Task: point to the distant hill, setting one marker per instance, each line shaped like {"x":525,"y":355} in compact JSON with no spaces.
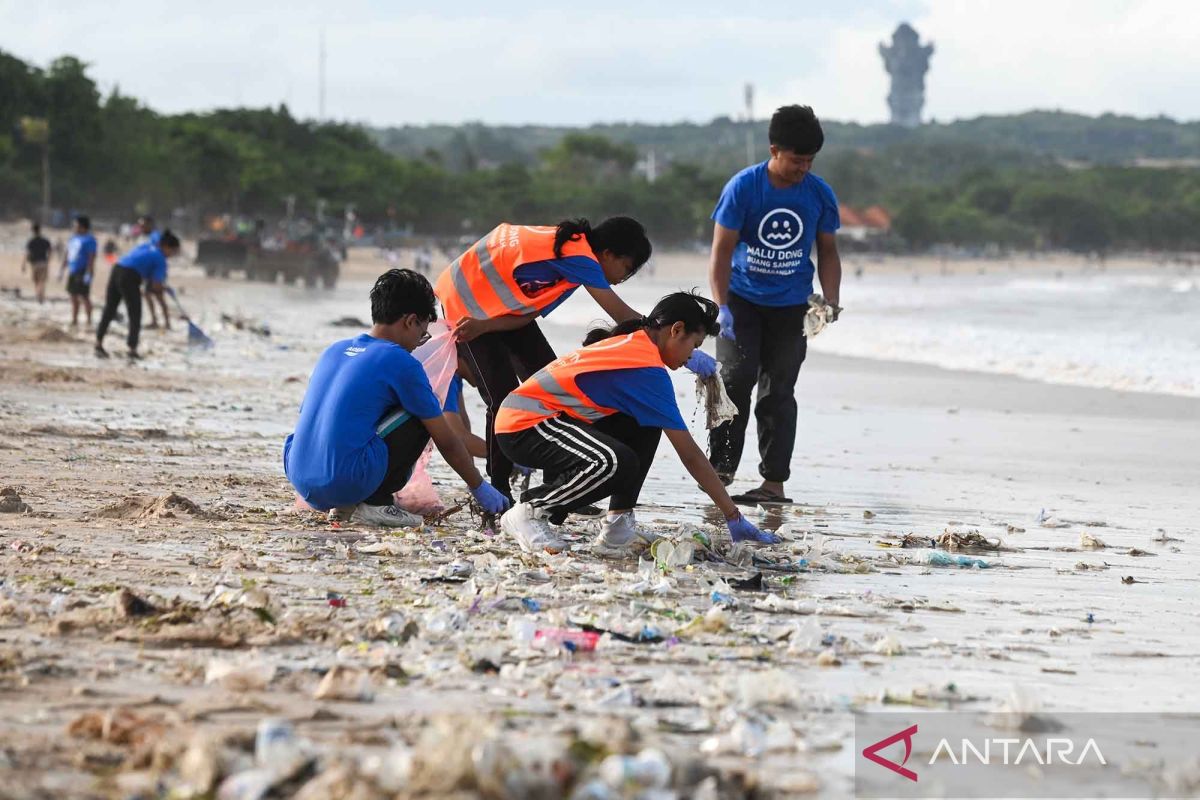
{"x":1108,"y":139}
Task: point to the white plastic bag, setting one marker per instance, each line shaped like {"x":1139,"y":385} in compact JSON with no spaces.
{"x":439,"y":357}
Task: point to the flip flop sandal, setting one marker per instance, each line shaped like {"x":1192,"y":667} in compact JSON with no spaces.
{"x":761,"y":496}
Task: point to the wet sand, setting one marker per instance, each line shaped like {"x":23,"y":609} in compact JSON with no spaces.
{"x":237,"y":574}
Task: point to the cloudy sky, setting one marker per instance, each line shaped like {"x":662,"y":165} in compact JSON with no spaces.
{"x":622,"y":60}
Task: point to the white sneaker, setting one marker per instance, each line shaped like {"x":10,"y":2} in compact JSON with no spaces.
{"x":387,"y":516}
{"x":531,"y":530}
{"x":621,"y":537}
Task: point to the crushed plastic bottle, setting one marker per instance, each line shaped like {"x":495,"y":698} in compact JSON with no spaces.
{"x":649,"y":769}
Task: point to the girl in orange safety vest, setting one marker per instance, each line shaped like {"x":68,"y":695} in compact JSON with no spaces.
{"x":495,"y":291}
{"x":591,"y":421}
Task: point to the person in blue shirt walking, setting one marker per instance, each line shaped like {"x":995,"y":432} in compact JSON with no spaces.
{"x":79,"y":266}
{"x":769,"y":220}
{"x":146,"y":262}
{"x":369,"y":411}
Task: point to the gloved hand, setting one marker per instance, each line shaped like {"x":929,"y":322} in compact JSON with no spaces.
{"x":490,"y":499}
{"x":743,"y":530}
{"x":725,"y":320}
{"x":701,"y":363}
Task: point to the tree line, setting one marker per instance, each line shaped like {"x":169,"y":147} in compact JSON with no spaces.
{"x":113,"y":157}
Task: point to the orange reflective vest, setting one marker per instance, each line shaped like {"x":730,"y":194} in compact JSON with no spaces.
{"x":553,"y":391}
{"x":480,"y":283}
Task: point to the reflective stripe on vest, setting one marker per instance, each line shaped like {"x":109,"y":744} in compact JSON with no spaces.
{"x":481,"y":282}
{"x":553,"y":390}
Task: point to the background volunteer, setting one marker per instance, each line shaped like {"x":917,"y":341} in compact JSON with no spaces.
{"x":768,"y":221}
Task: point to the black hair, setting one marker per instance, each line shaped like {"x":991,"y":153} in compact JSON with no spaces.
{"x":168,"y":239}
{"x":401,"y":291}
{"x":84,"y":222}
{"x":695,"y":312}
{"x":796,"y":128}
{"x":37,"y":229}
{"x":621,"y":236}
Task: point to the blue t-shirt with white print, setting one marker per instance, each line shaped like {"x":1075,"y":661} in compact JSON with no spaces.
{"x":772,"y":263}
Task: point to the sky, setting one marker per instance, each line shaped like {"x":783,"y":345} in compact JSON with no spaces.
{"x":395,"y":63}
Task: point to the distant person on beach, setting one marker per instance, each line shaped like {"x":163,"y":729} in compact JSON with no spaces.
{"x":149,"y":234}
{"x":494,"y":293}
{"x":369,"y":411}
{"x":110,"y":251}
{"x":766,"y":224}
{"x":145,"y":263}
{"x":593,"y":418}
{"x":37,"y":256}
{"x":79,"y":266}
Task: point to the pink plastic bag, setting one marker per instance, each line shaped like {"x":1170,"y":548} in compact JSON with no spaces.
{"x":418,"y":495}
{"x":439,"y":357}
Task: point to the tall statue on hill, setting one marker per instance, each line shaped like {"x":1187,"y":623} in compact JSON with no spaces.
{"x":907,"y":61}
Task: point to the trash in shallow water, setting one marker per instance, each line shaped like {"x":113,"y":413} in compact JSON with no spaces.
{"x":1089,"y":542}
{"x":938,"y":558}
{"x":971,"y":540}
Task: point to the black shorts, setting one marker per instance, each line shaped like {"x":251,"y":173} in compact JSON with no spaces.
{"x":77,"y":284}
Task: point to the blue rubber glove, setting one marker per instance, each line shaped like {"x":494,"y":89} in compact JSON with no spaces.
{"x":725,"y":320}
{"x":701,"y":363}
{"x":743,"y":530}
{"x":490,"y":499}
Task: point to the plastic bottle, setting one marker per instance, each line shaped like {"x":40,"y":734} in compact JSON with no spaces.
{"x":649,"y":769}
{"x":572,"y":640}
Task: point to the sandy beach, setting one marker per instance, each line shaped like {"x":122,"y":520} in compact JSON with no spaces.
{"x":161,"y":595}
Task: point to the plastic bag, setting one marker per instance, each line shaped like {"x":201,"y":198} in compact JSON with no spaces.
{"x":439,"y":357}
{"x":718,"y":408}
{"x":819,"y":314}
{"x":418,"y":495}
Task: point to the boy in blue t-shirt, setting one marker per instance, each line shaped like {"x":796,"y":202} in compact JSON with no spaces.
{"x":369,"y":411}
{"x":769,"y":220}
{"x":146,"y":263}
{"x":79,"y":266}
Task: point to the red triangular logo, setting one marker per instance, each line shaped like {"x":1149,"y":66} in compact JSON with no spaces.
{"x":872,"y":753}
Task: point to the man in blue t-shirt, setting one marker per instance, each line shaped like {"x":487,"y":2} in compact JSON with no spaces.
{"x":369,"y":411}
{"x":768,"y":222}
{"x":79,"y":267}
{"x":145,"y":263}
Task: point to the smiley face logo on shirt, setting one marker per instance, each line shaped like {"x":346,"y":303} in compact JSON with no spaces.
{"x":780,"y":229}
